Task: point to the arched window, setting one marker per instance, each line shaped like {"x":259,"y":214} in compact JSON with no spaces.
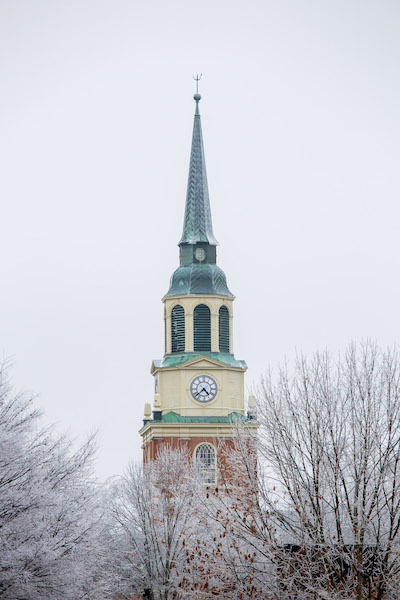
{"x":178,"y":329}
{"x":202,"y":328}
{"x":223,"y":329}
{"x":205,"y":462}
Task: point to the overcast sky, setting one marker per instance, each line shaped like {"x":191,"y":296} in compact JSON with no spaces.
{"x":300,"y":115}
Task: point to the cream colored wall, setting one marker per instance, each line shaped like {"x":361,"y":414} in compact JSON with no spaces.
{"x":174,"y":390}
{"x":174,"y":383}
{"x":189,"y":303}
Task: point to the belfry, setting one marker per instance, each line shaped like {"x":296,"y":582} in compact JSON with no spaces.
{"x":199,"y":384}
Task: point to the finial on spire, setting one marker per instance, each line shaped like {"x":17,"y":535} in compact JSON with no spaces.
{"x":197,"y":96}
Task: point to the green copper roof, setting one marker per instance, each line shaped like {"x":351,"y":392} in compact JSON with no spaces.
{"x":197,"y":226}
{"x":175,"y":360}
{"x":233,"y":417}
{"x":198,"y":279}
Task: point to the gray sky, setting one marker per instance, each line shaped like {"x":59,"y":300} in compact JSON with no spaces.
{"x":300,"y":115}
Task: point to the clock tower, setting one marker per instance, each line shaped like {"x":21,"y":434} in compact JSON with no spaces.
{"x":199,"y":384}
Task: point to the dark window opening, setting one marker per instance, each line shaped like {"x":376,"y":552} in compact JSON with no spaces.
{"x":202,"y":328}
{"x":178,"y":329}
{"x":223,"y":329}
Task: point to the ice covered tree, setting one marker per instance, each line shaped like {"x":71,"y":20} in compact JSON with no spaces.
{"x":156,"y":518}
{"x":236,"y":556}
{"x":50,"y":513}
{"x":327,"y":478}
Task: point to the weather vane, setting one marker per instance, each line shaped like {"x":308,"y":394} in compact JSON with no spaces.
{"x":197,"y":79}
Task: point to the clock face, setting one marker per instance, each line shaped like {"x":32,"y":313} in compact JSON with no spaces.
{"x":204,"y":388}
{"x":200,"y":254}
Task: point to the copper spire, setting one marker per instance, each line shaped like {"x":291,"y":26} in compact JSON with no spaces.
{"x":197,"y":226}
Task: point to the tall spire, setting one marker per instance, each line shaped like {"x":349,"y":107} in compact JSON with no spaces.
{"x":198,"y":272}
{"x":197,"y":225}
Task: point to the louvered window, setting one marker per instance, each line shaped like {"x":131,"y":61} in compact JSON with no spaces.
{"x":223,"y":329}
{"x":202,"y":328}
{"x":205,"y":462}
{"x":178,"y":329}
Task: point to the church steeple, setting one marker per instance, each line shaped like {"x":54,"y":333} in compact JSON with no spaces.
{"x":198,"y":384}
{"x":198,"y":272}
{"x":197,"y":225}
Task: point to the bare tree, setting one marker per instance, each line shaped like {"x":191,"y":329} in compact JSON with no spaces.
{"x":50,"y":516}
{"x":241,"y":542}
{"x":156,"y":515}
{"x":327,"y":479}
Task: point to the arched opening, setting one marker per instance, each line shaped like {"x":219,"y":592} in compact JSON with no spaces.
{"x":223,"y":329}
{"x":178,"y":329}
{"x":205,"y":462}
{"x":202,"y":328}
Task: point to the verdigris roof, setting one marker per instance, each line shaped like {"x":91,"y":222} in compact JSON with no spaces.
{"x":198,"y":279}
{"x":175,"y":359}
{"x":197,"y":225}
{"x":234,"y":417}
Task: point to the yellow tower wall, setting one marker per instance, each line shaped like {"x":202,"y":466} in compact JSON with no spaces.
{"x":174,"y":389}
{"x":189,"y":303}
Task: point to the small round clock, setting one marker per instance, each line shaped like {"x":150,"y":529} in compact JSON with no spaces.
{"x":204,"y":388}
{"x":200,"y":254}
